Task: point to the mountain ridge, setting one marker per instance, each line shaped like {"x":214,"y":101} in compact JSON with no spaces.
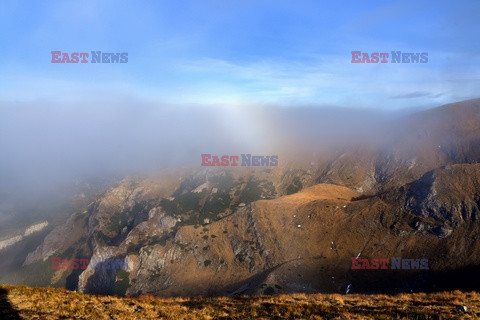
{"x":293,"y":228}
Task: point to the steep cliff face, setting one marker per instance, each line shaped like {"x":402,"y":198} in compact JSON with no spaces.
{"x":294,"y":227}
{"x":450,"y":195}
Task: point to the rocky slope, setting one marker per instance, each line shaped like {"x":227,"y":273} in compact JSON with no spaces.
{"x":28,"y":231}
{"x":293,"y":228}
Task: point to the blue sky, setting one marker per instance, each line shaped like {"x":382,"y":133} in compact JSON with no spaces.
{"x":241,"y":52}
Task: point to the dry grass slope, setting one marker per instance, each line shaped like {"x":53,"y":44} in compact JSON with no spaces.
{"x":50,"y":303}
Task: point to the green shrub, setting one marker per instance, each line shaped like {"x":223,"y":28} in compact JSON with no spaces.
{"x":122,"y":283}
{"x":295,"y":186}
{"x":269,"y":290}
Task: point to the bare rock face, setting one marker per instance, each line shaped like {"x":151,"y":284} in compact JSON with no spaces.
{"x":11,"y":241}
{"x":99,"y":280}
{"x":35,"y":228}
{"x":58,"y":239}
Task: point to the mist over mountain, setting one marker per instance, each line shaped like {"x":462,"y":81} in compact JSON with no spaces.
{"x":53,"y":150}
{"x":349,"y":182}
{"x":244,"y":160}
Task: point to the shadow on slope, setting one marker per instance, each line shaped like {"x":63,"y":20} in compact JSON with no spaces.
{"x":7,"y":311}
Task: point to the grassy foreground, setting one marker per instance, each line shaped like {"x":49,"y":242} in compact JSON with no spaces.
{"x":19,"y":302}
